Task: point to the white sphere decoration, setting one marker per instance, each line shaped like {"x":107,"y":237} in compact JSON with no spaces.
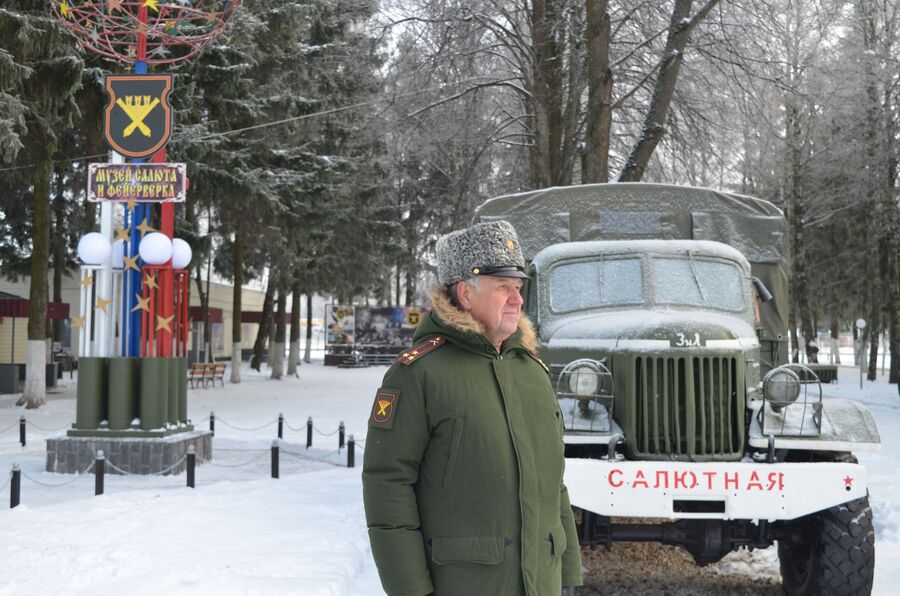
{"x":118,"y":254}
{"x":93,"y":249}
{"x":155,"y":249}
{"x":181,"y":253}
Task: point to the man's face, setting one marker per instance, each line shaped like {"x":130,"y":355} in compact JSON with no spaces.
{"x":496,"y":304}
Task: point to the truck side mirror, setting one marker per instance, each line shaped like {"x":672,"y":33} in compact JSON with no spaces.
{"x":761,"y":290}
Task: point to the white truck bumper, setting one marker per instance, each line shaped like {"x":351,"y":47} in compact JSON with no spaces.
{"x":681,"y":490}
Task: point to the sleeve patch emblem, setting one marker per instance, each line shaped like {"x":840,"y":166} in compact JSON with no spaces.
{"x":384,"y":408}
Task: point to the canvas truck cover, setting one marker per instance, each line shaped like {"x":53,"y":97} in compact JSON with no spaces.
{"x":636,"y":211}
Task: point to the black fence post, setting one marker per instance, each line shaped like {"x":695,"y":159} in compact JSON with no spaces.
{"x":309,"y":427}
{"x":22,"y":430}
{"x":212,"y":423}
{"x":15,"y":486}
{"x":275,"y":458}
{"x":351,"y":456}
{"x":341,"y":435}
{"x":280,"y":426}
{"x":99,"y":471}
{"x":191,"y":463}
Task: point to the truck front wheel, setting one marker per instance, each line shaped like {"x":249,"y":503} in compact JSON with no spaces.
{"x":830,"y":553}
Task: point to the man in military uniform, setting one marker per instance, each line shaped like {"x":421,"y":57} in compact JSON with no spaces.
{"x":462,"y":479}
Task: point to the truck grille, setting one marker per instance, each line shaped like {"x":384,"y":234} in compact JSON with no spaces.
{"x":688,"y":407}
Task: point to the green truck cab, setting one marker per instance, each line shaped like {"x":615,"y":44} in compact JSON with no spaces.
{"x":662,"y":316}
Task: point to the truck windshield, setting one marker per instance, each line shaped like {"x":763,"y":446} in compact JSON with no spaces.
{"x":589,"y":284}
{"x":697,"y":282}
{"x":678,"y":280}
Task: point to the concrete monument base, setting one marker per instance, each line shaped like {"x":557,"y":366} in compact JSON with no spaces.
{"x":72,"y":455}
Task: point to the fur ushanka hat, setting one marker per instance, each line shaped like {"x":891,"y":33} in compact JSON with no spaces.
{"x":490,"y":248}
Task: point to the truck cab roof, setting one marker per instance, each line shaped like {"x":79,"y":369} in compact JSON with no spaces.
{"x":573,"y":250}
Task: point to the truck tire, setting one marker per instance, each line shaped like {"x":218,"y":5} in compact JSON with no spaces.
{"x":834,"y":555}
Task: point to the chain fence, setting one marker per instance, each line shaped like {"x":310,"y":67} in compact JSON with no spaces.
{"x":98,"y":467}
{"x":306,"y":456}
{"x":162,"y":472}
{"x":255,"y":459}
{"x":78,"y":476}
{"x":45,"y":429}
{"x":246,"y":428}
{"x":5,"y":484}
{"x":288,"y":424}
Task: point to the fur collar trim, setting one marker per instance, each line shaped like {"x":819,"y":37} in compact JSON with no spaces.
{"x":463,"y":321}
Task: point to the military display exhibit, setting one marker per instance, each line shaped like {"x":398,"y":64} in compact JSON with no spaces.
{"x":662,"y":314}
{"x":132,"y":382}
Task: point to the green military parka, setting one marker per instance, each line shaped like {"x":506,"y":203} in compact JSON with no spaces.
{"x":462,"y":479}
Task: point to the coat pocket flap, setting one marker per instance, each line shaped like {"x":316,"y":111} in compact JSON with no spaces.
{"x":558,"y":540}
{"x":486,"y":550}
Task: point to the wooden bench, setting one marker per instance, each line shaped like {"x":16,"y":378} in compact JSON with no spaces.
{"x":202,"y":372}
{"x":196,"y":373}
{"x":216,"y":372}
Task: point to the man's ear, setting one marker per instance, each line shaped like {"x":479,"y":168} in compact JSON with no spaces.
{"x":463,"y":295}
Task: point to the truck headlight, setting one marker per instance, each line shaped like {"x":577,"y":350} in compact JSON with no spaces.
{"x":584,"y":381}
{"x":585,"y":392}
{"x":781,"y":387}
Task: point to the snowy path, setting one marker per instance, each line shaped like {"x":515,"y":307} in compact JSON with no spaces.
{"x":238,"y":532}
{"x":242,"y":532}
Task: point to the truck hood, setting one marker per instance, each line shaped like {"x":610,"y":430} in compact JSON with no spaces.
{"x":649,"y":329}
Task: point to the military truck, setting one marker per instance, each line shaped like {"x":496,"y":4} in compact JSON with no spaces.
{"x":662,"y":316}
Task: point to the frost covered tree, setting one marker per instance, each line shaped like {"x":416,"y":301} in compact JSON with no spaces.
{"x":39,"y":75}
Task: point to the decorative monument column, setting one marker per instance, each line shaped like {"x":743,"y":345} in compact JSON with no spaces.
{"x":133,"y":322}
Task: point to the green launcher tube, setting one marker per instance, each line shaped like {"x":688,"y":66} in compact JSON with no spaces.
{"x":154,"y":402}
{"x":122,"y":392}
{"x":91,"y":393}
{"x":173,"y":372}
{"x":182,"y":390}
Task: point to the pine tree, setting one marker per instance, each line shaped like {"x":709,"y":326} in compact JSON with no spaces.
{"x":40,"y":75}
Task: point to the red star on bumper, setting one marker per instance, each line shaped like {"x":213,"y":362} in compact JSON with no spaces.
{"x":848,"y":481}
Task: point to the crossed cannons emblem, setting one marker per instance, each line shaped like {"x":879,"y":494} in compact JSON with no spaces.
{"x":137,"y":108}
{"x":138,"y":115}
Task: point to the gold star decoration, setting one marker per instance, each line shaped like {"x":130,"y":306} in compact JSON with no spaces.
{"x":164,"y":323}
{"x":142,"y":304}
{"x":170,"y":25}
{"x":145,"y":227}
{"x":151,"y":4}
{"x":87,"y":281}
{"x":211,"y":18}
{"x":77,"y":322}
{"x":150,"y":280}
{"x":113,"y":5}
{"x":64,"y":9}
{"x":131,"y":204}
{"x":122,"y":234}
{"x":102,"y":303}
{"x":131,"y":263}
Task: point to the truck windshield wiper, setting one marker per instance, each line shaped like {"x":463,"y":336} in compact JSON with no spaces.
{"x":696,"y":277}
{"x":600,"y":277}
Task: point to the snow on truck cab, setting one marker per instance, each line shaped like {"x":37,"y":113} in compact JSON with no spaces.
{"x":662,"y":315}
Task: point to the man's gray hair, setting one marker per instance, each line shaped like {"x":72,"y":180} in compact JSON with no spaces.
{"x":451,"y":290}
{"x":474,"y":281}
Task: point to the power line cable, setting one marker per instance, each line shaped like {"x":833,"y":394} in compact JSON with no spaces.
{"x":262,"y":125}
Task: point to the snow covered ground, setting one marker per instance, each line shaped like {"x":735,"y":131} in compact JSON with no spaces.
{"x":242,"y":532}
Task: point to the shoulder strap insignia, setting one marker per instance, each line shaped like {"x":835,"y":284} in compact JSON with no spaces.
{"x":416,"y":352}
